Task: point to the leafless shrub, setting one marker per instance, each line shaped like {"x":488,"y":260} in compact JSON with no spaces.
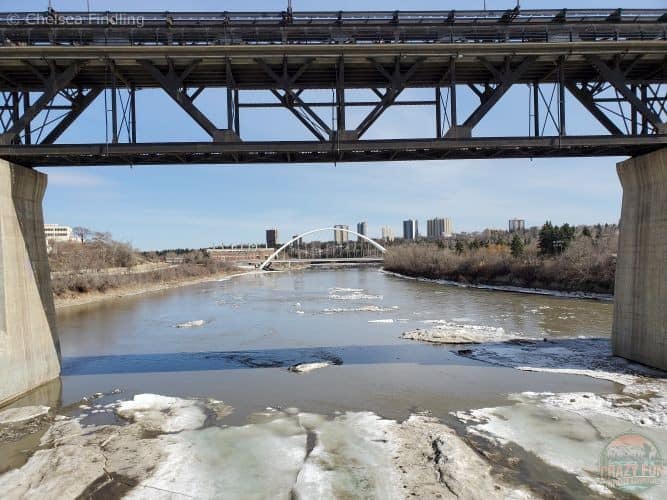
{"x":587,"y":265}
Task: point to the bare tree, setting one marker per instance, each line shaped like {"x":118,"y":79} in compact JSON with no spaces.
{"x":82,"y":233}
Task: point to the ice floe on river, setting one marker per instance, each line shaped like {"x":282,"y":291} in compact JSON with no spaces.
{"x":191,"y":324}
{"x":372,"y":308}
{"x":277,"y":454}
{"x":351,"y":294}
{"x":309,"y":367}
{"x":451,"y":332}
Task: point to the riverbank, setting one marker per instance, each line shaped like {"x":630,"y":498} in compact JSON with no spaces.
{"x":130,"y":289}
{"x":604,"y":297}
{"x":584,"y":269}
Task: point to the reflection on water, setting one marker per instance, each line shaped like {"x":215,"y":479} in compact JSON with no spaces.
{"x":247,"y":331}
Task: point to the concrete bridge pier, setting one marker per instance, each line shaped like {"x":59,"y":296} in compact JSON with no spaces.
{"x":29,"y":347}
{"x":639,"y":332}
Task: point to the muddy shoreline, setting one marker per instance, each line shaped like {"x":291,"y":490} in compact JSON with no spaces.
{"x":130,"y":291}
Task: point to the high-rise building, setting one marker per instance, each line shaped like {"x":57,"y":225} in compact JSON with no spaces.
{"x":410,"y":229}
{"x":341,"y":234}
{"x":517,"y":225}
{"x":362,"y":228}
{"x":387,"y":233}
{"x":439,"y":227}
{"x":272,"y":238}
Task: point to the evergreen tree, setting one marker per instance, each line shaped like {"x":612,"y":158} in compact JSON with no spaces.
{"x":459,"y":247}
{"x":517,"y":246}
{"x":586,"y":232}
{"x":546,"y":239}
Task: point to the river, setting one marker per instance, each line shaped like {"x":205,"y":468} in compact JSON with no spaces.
{"x":276,"y":320}
{"x":234,"y":341}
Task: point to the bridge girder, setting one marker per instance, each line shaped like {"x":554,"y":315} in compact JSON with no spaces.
{"x":622,"y":83}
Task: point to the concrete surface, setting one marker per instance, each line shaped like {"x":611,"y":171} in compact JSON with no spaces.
{"x":29,"y":348}
{"x":639,"y":331}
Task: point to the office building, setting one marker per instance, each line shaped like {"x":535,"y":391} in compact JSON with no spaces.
{"x":362,"y":228}
{"x":56,"y":232}
{"x":387,"y":233}
{"x":341,"y":234}
{"x":517,"y":225}
{"x":410,"y":229}
{"x":439,"y":228}
{"x":272,"y":238}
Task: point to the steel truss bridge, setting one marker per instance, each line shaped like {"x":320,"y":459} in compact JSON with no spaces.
{"x":324,"y":68}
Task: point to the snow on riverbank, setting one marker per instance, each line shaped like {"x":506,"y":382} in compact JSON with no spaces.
{"x":450,"y":332}
{"x":567,"y":430}
{"x":570,"y":430}
{"x":507,"y":288}
{"x":22,"y":414}
{"x":279,"y":454}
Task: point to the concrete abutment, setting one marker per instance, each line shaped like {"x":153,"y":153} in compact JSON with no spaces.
{"x":639,"y":331}
{"x":29,"y":347}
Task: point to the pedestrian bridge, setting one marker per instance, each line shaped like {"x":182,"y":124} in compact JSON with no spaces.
{"x":363,"y":237}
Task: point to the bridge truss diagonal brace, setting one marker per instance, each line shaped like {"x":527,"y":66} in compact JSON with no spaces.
{"x":616,"y":77}
{"x":291,"y":100}
{"x":174,"y":85}
{"x":505,"y":78}
{"x":397,"y":83}
{"x":79,"y":105}
{"x":587,"y":99}
{"x":53,"y":85}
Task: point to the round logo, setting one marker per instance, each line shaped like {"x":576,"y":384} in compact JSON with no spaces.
{"x":631,"y":462}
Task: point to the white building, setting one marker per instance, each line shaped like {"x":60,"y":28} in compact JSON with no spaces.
{"x":387,"y":233}
{"x":341,"y":234}
{"x":517,"y":225}
{"x":56,"y":232}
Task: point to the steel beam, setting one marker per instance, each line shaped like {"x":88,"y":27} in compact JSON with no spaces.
{"x":616,"y":77}
{"x":586,"y":98}
{"x":506,"y":78}
{"x":56,"y":82}
{"x":397,"y":82}
{"x":172,"y":84}
{"x":318,"y":152}
{"x":79,"y":105}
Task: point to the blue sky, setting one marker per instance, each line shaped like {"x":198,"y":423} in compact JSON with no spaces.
{"x":191,"y":206}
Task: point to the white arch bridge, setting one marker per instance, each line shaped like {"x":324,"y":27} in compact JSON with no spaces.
{"x":275,"y":254}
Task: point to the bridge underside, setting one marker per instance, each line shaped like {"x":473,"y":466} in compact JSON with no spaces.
{"x":281,"y":152}
{"x":335,"y":74}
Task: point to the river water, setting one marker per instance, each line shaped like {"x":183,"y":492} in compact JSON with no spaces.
{"x":255,"y":326}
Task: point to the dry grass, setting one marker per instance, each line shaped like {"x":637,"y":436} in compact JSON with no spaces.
{"x":80,"y":268}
